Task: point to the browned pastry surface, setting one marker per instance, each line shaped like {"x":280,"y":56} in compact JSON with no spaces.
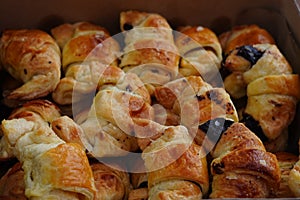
{"x":200,"y":51}
{"x":32,"y":57}
{"x":149,"y":48}
{"x":111,"y":182}
{"x":244,"y":35}
{"x":242,"y":163}
{"x":87,"y":50}
{"x":12,"y":183}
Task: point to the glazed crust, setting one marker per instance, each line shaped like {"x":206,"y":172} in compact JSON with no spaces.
{"x":33,"y":58}
{"x":244,"y":35}
{"x":241,"y":162}
{"x":149,"y":48}
{"x":110,"y":181}
{"x":174,"y":156}
{"x":175,"y":189}
{"x":51,"y":166}
{"x":200,"y":52}
{"x":86,"y":48}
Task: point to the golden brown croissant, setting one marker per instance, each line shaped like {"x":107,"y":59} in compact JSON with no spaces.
{"x":176,"y":166}
{"x":198,"y":104}
{"x":241,"y":167}
{"x":40,"y":112}
{"x":201,"y":52}
{"x":110,"y":125}
{"x":86,"y":48}
{"x":149,"y":48}
{"x":51,"y":166}
{"x":33,"y":58}
{"x":12,"y":183}
{"x":244,"y":35}
{"x":111,"y":182}
{"x":271,"y":88}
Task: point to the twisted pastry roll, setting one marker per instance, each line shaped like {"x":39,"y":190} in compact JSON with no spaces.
{"x":176,"y":167}
{"x":237,"y":37}
{"x":241,"y":167}
{"x":201,"y":52}
{"x":40,"y":112}
{"x":149,"y":48}
{"x":272,"y":90}
{"x":199,"y":106}
{"x":50,"y":165}
{"x":33,"y":58}
{"x":87,"y":49}
{"x":110,"y":125}
{"x":110,"y":181}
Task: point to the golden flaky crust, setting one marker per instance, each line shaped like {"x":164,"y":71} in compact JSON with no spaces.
{"x":87,"y":50}
{"x":51,"y":166}
{"x":138,"y":194}
{"x":110,"y":182}
{"x":262,"y":74}
{"x":200,"y":51}
{"x":241,"y":162}
{"x":200,"y":100}
{"x":111,"y":119}
{"x":174,"y":156}
{"x":244,"y":35}
{"x":39,"y":112}
{"x":175,"y":189}
{"x":32,"y":57}
{"x":149,"y":48}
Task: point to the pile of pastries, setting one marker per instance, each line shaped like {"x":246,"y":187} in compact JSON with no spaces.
{"x":154,"y":114}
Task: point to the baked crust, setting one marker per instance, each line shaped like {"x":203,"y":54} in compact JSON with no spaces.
{"x":33,"y":58}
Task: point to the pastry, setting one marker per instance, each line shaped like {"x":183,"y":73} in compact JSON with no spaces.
{"x":111,"y":182}
{"x":200,"y":51}
{"x":50,"y":165}
{"x":241,"y":167}
{"x":149,"y":49}
{"x":176,"y":166}
{"x":33,"y":58}
{"x":86,"y":48}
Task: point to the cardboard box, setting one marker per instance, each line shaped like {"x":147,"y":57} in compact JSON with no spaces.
{"x":280,"y":17}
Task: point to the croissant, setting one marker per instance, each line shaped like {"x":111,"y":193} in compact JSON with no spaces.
{"x":110,"y":181}
{"x":138,"y":194}
{"x":149,"y":49}
{"x":199,"y":105}
{"x":110,"y":125}
{"x":176,"y":166}
{"x":271,"y":88}
{"x":12,"y":183}
{"x":241,"y":167}
{"x":40,"y":112}
{"x":244,"y":35}
{"x":86,"y":48}
{"x":50,"y":165}
{"x":33,"y":58}
{"x":201,"y":52}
